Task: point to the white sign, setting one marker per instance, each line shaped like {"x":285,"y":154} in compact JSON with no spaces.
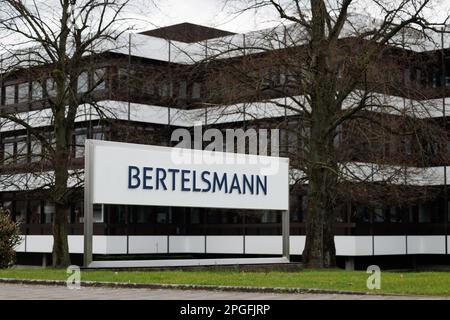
{"x":134,"y":174}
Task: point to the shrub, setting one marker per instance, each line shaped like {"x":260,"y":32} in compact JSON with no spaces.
{"x":9,"y":239}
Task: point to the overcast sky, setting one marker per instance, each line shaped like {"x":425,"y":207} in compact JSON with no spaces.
{"x":212,"y":13}
{"x":215,"y":14}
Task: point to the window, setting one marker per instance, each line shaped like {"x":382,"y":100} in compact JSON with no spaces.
{"x":161,"y":217}
{"x":35,"y":151}
{"x":194,"y":216}
{"x":292,"y":141}
{"x":379,"y":215}
{"x":447,"y":81}
{"x":148,"y":88}
{"x":10,"y":92}
{"x":165,"y":90}
{"x":448,"y":211}
{"x":83,"y":82}
{"x":7,"y":206}
{"x":97,"y":133}
{"x":49,"y":210}
{"x":35,"y":212}
{"x":424,"y":213}
{"x":360,"y":214}
{"x":23,"y":91}
{"x":196,"y":90}
{"x":99,"y":79}
{"x":407,"y":75}
{"x":79,"y":145}
{"x":20,"y":213}
{"x":8,"y":152}
{"x":123,"y":78}
{"x":22,"y":151}
{"x":183,"y":90}
{"x":269,"y":217}
{"x":395,"y":215}
{"x":141,"y":214}
{"x":98,"y":213}
{"x":51,"y":87}
{"x":36,"y":90}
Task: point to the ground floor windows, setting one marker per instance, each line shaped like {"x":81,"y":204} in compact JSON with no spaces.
{"x":35,"y":209}
{"x":37,"y":216}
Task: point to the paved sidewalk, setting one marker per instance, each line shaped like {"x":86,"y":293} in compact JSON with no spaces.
{"x":25,"y":292}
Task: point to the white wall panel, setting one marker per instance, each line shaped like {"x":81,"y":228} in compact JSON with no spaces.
{"x":263,"y":244}
{"x":448,"y":244}
{"x":110,"y":244}
{"x":21,"y":246}
{"x":42,"y":244}
{"x":426,"y":244}
{"x":186,"y":244}
{"x":147,"y":244}
{"x":296,"y":244}
{"x":353,"y":245}
{"x":76,"y":244}
{"x":225,"y":244}
{"x":389,"y":245}
{"x":345,"y":245}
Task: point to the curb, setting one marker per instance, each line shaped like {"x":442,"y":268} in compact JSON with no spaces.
{"x":188,"y":287}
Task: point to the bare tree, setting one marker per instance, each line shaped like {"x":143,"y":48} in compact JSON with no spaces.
{"x":55,"y":42}
{"x":332,"y":70}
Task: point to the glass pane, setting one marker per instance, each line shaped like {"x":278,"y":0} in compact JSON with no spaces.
{"x":161,"y":217}
{"x":7,"y":206}
{"x":49,"y":210}
{"x":21,"y":211}
{"x":36,"y":90}
{"x":22,"y":151}
{"x":99,"y":79}
{"x":83,"y":82}
{"x":9,"y":95}
{"x":35,"y":212}
{"x":98,"y":213}
{"x":51,"y":87}
{"x":35,"y":151}
{"x":196,"y":90}
{"x":98,"y":136}
{"x":23,"y":92}
{"x":8,"y":153}
{"x":378,"y":215}
{"x":448,"y":211}
{"x":268,"y":217}
{"x":165,"y":90}
{"x":194,"y":216}
{"x":292,"y":141}
{"x":79,"y":145}
{"x":424,"y":213}
{"x":183,"y":89}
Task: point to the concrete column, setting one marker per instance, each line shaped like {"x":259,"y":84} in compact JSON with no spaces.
{"x":350,"y":264}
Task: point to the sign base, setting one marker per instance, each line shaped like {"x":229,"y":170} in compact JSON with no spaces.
{"x":183,"y":263}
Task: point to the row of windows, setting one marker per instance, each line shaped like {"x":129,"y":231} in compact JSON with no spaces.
{"x":42,"y":212}
{"x":33,"y":91}
{"x":141,"y":83}
{"x":431,"y":212}
{"x":21,"y":149}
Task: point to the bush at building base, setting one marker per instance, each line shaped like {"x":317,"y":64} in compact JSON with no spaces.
{"x":9,"y":239}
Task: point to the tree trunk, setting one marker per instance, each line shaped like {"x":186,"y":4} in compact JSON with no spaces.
{"x":60,"y":255}
{"x":63,"y":132}
{"x":322,"y":188}
{"x":319,"y":249}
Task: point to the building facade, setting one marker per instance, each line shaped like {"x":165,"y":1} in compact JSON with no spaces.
{"x":174,"y":77}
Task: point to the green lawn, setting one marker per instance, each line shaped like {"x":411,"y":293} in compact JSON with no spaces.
{"x":427,"y":283}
